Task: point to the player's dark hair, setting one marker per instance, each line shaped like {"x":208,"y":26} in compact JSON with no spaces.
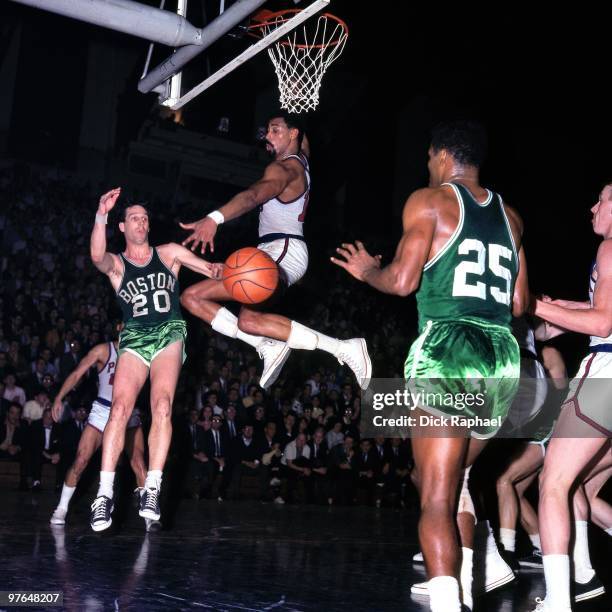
{"x":124,"y":208}
{"x":465,"y":140}
{"x":293,"y":121}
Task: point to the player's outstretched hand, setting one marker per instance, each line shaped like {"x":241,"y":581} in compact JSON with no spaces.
{"x":202,"y":232}
{"x":108,"y":201}
{"x":357,"y":261}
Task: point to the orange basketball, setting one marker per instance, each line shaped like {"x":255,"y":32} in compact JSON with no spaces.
{"x":250,"y":275}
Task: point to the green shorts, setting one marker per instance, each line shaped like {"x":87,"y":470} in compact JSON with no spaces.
{"x":468,"y":370}
{"x":148,"y":341}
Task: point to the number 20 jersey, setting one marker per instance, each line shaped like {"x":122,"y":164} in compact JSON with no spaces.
{"x":473,"y":275}
{"x":149,"y":294}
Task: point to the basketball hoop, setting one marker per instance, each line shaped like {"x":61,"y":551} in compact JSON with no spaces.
{"x":302,"y":57}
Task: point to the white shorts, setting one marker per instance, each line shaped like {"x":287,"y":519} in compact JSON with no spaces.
{"x":98,"y":417}
{"x":291,"y":255}
{"x":590,"y":397}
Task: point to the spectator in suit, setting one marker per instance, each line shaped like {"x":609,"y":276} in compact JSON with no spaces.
{"x":70,"y":360}
{"x":216,"y":447}
{"x":44,"y":448}
{"x":398,"y":480}
{"x":287,"y":433}
{"x":244,"y":454}
{"x":14,"y":439}
{"x":318,"y":464}
{"x":296,"y":460}
{"x":270,"y":457}
{"x":343,"y":476}
{"x":367,"y":466}
{"x":231,"y":426}
{"x":193,"y":447}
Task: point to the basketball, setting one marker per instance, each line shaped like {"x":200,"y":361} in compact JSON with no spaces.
{"x":250,"y":275}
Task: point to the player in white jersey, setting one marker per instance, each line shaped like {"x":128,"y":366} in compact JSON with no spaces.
{"x":104,"y":357}
{"x":584,"y":428}
{"x":283,"y":194}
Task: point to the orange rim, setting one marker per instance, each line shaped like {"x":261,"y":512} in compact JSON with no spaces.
{"x":265,"y":18}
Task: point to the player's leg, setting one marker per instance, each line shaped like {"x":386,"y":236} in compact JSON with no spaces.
{"x":130,"y":375}
{"x":566,"y":458}
{"x":525,"y":462}
{"x":89,"y":443}
{"x":601,"y":511}
{"x":528,"y":516}
{"x":201,"y":299}
{"x":165,"y":370}
{"x":439,"y":462}
{"x":134,"y":448}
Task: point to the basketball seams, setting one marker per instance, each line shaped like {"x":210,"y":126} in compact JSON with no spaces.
{"x":254,"y":284}
{"x":229,"y":276}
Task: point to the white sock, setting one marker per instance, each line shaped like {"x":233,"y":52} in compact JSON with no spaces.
{"x":535,"y":540}
{"x":302,"y":337}
{"x":67,"y":493}
{"x":507,"y":537}
{"x":444,"y":594}
{"x":557,"y":576}
{"x":154,"y":478}
{"x":226,"y":323}
{"x":466,"y":576}
{"x":106,"y":484}
{"x":608,"y":531}
{"x":583,"y":570}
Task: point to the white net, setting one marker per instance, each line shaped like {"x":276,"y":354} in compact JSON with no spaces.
{"x":301,"y":58}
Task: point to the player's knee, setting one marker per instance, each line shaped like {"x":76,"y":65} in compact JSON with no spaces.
{"x":161,"y":408}
{"x":120,"y":410}
{"x":248,"y":322}
{"x":189,"y":298}
{"x":504,"y":482}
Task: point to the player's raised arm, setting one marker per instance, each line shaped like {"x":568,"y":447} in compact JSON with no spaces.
{"x":403,"y":274}
{"x":274,"y":181}
{"x":99,"y":256}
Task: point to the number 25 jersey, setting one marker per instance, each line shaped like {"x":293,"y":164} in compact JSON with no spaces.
{"x":473,"y":275}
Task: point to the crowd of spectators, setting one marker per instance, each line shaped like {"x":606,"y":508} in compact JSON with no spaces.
{"x":300,"y":440}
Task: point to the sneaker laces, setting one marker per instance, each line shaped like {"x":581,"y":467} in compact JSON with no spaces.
{"x":261,"y":349}
{"x":151,"y":500}
{"x":99,"y":508}
{"x":349,"y":360}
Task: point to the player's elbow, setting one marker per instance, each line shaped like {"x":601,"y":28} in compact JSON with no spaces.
{"x":603,"y":328}
{"x":404,"y":285}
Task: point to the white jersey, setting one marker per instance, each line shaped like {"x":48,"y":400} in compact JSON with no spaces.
{"x":596,"y":340}
{"x":278,"y":217}
{"x":106,"y":375}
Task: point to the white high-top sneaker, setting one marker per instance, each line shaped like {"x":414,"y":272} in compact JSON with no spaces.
{"x":354,"y":353}
{"x":274,"y":354}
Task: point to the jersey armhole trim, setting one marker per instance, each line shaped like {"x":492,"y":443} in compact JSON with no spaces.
{"x":454,"y":235}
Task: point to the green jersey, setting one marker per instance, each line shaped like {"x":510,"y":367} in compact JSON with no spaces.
{"x":149,"y":294}
{"x":473,"y":276}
